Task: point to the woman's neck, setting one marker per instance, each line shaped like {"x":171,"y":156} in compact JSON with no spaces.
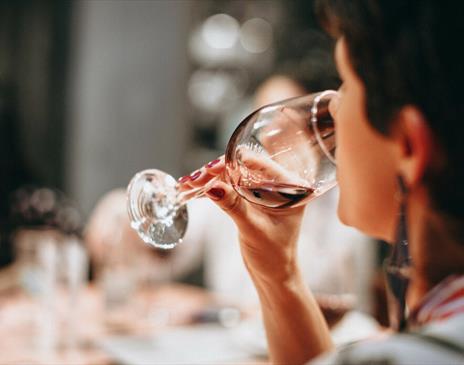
{"x":436,"y":252}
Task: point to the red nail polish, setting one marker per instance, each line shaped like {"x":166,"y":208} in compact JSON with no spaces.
{"x":216,"y":193}
{"x":212,"y":163}
{"x":184,"y":179}
{"x":195,"y":175}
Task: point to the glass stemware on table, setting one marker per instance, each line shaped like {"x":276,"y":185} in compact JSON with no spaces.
{"x":281,"y":156}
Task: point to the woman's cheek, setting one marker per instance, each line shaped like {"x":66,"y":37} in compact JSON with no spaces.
{"x":343,"y":174}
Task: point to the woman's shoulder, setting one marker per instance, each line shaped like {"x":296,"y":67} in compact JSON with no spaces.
{"x":437,"y":343}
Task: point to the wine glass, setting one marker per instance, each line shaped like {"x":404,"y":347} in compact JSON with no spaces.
{"x":281,"y":156}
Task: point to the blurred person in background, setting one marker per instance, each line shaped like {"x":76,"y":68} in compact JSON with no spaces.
{"x":14,"y":173}
{"x":108,"y":236}
{"x":399,"y":159}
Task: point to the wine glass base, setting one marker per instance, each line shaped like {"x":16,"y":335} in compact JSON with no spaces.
{"x":165,"y":234}
{"x":154,"y":211}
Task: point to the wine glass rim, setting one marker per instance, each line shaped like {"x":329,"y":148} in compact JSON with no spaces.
{"x":314,"y":109}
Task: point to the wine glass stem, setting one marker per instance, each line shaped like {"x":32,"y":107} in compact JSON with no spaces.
{"x":193,"y":193}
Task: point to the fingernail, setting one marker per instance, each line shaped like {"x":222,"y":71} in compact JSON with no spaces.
{"x":184,"y":179}
{"x":216,"y":193}
{"x":212,"y":163}
{"x":195,"y":175}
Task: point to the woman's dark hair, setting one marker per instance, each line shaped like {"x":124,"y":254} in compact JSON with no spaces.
{"x":407,"y":52}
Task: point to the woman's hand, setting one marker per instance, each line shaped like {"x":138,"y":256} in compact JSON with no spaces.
{"x":295,"y":328}
{"x":267,"y":236}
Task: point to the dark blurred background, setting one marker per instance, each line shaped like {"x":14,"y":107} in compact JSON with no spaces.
{"x":93,"y":91}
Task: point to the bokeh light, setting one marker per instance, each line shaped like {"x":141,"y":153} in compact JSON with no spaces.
{"x":212,"y":91}
{"x":256,"y":35}
{"x":220,"y":31}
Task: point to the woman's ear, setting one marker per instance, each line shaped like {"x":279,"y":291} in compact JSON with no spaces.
{"x":415,"y":142}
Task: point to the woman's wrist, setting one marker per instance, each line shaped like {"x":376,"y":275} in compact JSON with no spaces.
{"x":286,"y":278}
{"x":296,"y":329}
{"x":272,"y":262}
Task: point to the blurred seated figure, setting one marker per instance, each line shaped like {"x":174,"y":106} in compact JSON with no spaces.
{"x":126,"y":270}
{"x":36,"y":214}
{"x":108,"y":227}
{"x":334,"y":254}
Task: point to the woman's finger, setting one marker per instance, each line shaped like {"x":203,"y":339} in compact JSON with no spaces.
{"x":203,"y":175}
{"x":215,"y":167}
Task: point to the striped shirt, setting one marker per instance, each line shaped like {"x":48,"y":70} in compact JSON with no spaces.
{"x":442,"y":302}
{"x":436,"y":336}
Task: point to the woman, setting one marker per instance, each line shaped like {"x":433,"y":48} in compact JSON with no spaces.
{"x":398,"y":119}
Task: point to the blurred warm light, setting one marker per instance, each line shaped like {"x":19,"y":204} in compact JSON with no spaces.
{"x":256,"y":35}
{"x":220,"y":31}
{"x":206,"y":55}
{"x":220,"y":42}
{"x":211,"y":91}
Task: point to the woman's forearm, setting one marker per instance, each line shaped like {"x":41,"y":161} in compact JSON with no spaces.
{"x":296,"y":330}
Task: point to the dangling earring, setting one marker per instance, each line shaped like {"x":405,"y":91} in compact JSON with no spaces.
{"x":397,"y":266}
